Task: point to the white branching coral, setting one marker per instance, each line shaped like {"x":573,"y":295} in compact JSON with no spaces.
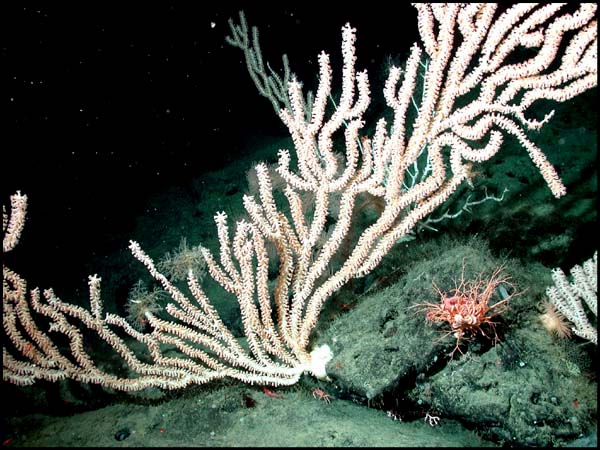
{"x":474,"y":95}
{"x":571,"y":296}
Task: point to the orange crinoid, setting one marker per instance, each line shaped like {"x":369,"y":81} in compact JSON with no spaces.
{"x":467,"y":308}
